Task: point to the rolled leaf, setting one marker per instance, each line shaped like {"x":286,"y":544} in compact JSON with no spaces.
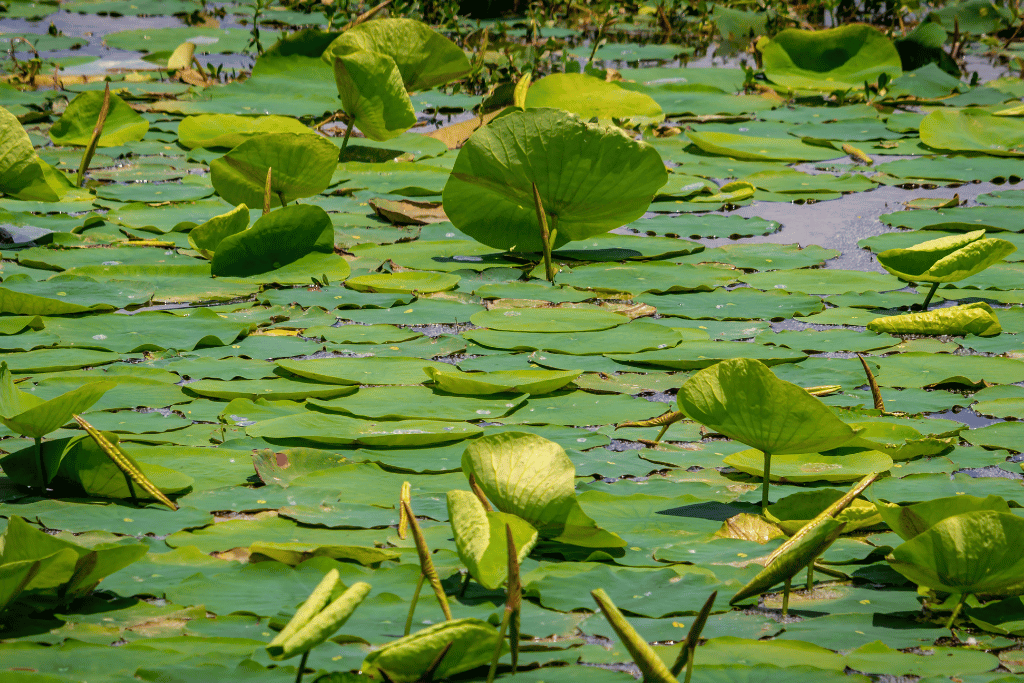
{"x":975,"y":318}
{"x":469,"y":642}
{"x":327,"y":622}
{"x":646,"y":659}
{"x":312,"y":606}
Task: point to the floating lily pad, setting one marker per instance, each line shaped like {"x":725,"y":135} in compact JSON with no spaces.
{"x":812,"y":467}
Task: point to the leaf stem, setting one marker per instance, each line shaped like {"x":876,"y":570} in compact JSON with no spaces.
{"x":131,"y":488}
{"x":785,"y":596}
{"x":931,"y":293}
{"x":412,"y":605}
{"x":545,"y":235}
{"x":810,"y":576}
{"x":765,"y":483}
{"x":90,"y":150}
{"x":302,"y":667}
{"x":348,"y":134}
{"x":956,"y":611}
{"x":266,"y":191}
{"x":39,"y":461}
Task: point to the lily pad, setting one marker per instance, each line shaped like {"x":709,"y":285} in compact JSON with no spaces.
{"x":812,"y":467}
{"x":840,"y":58}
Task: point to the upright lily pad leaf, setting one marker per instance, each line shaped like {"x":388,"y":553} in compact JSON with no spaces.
{"x":211,"y":131}
{"x":301,"y":165}
{"x":946,"y":259}
{"x":840,"y":58}
{"x":376,"y":62}
{"x":462,"y":644}
{"x":76,"y":124}
{"x":22,"y":541}
{"x":23,"y":174}
{"x":206,"y":237}
{"x":977,"y":318}
{"x":970,"y":553}
{"x":590,"y":179}
{"x":480,"y":538}
{"x":744,"y":400}
{"x":973,"y":130}
{"x":910,"y":520}
{"x":532,"y":478}
{"x":275,"y":240}
{"x":29,"y":415}
{"x":590,"y":97}
{"x":16,"y":576}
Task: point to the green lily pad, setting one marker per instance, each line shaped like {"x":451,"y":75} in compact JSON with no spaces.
{"x":533,"y":382}
{"x":491,"y":182}
{"x":973,"y":130}
{"x":765,"y":149}
{"x":548,"y":319}
{"x":276,"y":240}
{"x":425,"y":283}
{"x":504,"y":465}
{"x":947,"y":259}
{"x":840,"y":58}
{"x":275,"y":389}
{"x":338,"y":429}
{"x":363,"y":370}
{"x":420,"y":403}
{"x":811,"y":467}
{"x":226,"y":130}
{"x":301,"y":165}
{"x":590,"y":97}
{"x":75,"y":126}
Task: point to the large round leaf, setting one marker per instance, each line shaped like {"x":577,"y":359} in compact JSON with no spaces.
{"x":591,"y":97}
{"x":275,"y":240}
{"x":75,"y":126}
{"x":423,"y":56}
{"x":971,"y":553}
{"x":910,"y":520}
{"x":372,"y":93}
{"x":532,"y":478}
{"x":591,"y":179}
{"x":23,"y":174}
{"x":946,"y":259}
{"x":974,"y":130}
{"x":797,"y":467}
{"x":744,"y":400}
{"x":375,"y":63}
{"x":301,"y":166}
{"x":832,"y":59}
{"x":228,"y":130}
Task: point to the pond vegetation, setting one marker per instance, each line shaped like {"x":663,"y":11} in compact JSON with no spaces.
{"x":317,"y":305}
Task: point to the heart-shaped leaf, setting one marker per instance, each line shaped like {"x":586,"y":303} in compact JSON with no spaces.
{"x":946,"y":259}
{"x":75,"y":126}
{"x":275,"y":240}
{"x":300,"y":165}
{"x":532,"y":478}
{"x":591,"y":179}
{"x":480,"y":538}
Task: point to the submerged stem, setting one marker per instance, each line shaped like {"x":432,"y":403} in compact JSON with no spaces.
{"x":931,"y":293}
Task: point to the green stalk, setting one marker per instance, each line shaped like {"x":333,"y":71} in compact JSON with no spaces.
{"x":266,"y":192}
{"x":767,"y":480}
{"x":497,"y":648}
{"x":90,"y":150}
{"x":785,"y":596}
{"x":688,"y":651}
{"x":545,"y":235}
{"x":412,"y":605}
{"x":810,"y":576}
{"x":39,"y":461}
{"x":348,"y":134}
{"x":426,"y":564}
{"x":302,"y":667}
{"x":931,"y":293}
{"x":956,"y":611}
